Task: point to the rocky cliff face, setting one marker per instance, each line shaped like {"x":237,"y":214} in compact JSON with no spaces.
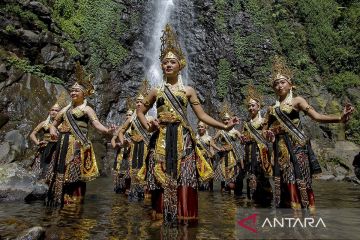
{"x":228,"y":44}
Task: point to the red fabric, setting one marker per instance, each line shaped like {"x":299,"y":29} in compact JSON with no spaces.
{"x":187,"y":202}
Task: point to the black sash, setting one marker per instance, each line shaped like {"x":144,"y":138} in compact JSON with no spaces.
{"x":286,"y":122}
{"x":204,"y":146}
{"x":179,"y":109}
{"x":235,"y":147}
{"x":139,"y":127}
{"x":257,"y":136}
{"x":76,"y":129}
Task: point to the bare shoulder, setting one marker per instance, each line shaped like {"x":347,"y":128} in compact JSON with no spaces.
{"x":299,"y":99}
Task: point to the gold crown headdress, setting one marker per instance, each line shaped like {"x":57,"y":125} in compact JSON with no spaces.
{"x":226,"y":112}
{"x":143,"y":90}
{"x":254,"y":95}
{"x":83,"y":82}
{"x":280,"y":70}
{"x":170,"y":47}
{"x":61,"y":101}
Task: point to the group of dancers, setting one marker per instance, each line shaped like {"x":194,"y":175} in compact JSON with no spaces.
{"x":163,"y":158}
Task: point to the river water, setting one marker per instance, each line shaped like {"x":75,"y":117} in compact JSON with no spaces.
{"x":106,"y":215}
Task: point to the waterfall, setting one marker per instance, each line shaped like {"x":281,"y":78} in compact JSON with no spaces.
{"x":162,"y":11}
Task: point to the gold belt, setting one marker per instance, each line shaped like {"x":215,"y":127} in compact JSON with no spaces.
{"x":168,"y":117}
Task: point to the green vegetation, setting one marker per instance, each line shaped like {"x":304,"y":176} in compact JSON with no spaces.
{"x":224,"y":77}
{"x":24,"y":15}
{"x":98,"y":23}
{"x":24,"y":65}
{"x":220,"y":22}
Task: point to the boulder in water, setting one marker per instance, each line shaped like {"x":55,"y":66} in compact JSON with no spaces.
{"x":17,"y":184}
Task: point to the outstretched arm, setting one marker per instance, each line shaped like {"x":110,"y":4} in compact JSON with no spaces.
{"x":302,"y":105}
{"x":204,"y":117}
{"x":95,"y":121}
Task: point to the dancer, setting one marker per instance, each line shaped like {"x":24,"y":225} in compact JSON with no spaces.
{"x":292,"y":168}
{"x":174,"y":164}
{"x":74,"y":162}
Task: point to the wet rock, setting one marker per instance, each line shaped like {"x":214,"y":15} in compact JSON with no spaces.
{"x":339,"y":178}
{"x":326,"y":177}
{"x":38,"y":8}
{"x":13,"y":146}
{"x":34,"y":233}
{"x":17,"y":184}
{"x":352,"y":179}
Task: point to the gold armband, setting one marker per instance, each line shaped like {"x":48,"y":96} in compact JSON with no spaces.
{"x":93,"y":118}
{"x":308,"y":108}
{"x":196,"y":102}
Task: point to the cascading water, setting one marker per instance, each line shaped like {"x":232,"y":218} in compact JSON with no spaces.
{"x":163,"y":10}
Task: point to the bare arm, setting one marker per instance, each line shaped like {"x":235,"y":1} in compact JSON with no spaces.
{"x":35,"y":131}
{"x":302,"y":105}
{"x":58,"y":119}
{"x":123,"y":129}
{"x":213,"y":145}
{"x":144,"y":108}
{"x":95,"y":121}
{"x":199,"y":111}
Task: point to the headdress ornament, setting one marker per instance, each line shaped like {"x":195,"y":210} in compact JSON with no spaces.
{"x":130,"y":105}
{"x":280,"y":70}
{"x":143,"y":90}
{"x":170,"y":47}
{"x":252,"y":94}
{"x":226,"y":112}
{"x":83,"y":82}
{"x":61,"y":101}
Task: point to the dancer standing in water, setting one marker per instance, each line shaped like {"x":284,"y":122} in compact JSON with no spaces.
{"x":138,"y":140}
{"x":230,"y":170}
{"x":47,"y":145}
{"x":74,"y":161}
{"x":257,"y":155}
{"x":292,"y":168}
{"x":122,"y":159}
{"x":206,"y":145}
{"x":174,"y":164}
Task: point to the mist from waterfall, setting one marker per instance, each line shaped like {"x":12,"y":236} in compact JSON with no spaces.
{"x":163,"y":10}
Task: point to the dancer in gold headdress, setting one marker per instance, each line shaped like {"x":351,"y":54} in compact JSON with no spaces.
{"x":230,"y":169}
{"x":40,"y":165}
{"x":292,"y":166}
{"x":74,"y":161}
{"x":133,"y":134}
{"x":257,"y":155}
{"x":206,"y":145}
{"x":174,"y":163}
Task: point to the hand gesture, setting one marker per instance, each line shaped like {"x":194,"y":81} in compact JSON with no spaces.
{"x":233,"y":121}
{"x":269,"y":135}
{"x":348,"y":110}
{"x":153,"y":125}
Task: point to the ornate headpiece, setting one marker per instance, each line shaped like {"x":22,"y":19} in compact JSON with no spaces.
{"x":61,"y":101}
{"x":143,"y":90}
{"x":203,"y":124}
{"x":226,"y":112}
{"x":280,"y":70}
{"x":170,"y":47}
{"x":254,"y":95}
{"x":83,"y":82}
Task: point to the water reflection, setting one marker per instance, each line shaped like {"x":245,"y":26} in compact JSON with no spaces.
{"x":106,"y":215}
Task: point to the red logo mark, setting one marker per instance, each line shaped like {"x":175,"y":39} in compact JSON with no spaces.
{"x":251,"y":217}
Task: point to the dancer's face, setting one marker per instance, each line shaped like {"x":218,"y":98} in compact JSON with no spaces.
{"x":77,"y":95}
{"x":253,"y":107}
{"x":282,"y":87}
{"x":170,"y":67}
{"x":201,"y":128}
{"x":53,"y":112}
{"x":226,"y":120}
{"x":128,"y":115}
{"x":138,"y":103}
